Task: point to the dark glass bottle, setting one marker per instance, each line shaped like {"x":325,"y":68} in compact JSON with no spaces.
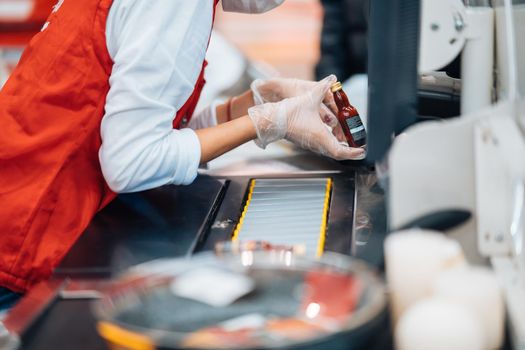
{"x":349,"y":118}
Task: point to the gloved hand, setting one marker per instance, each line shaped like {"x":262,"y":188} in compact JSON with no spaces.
{"x":300,"y":120}
{"x":278,"y":89}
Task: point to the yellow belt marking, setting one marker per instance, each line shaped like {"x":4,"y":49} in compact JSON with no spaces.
{"x":237,"y":230}
{"x":324,"y":222}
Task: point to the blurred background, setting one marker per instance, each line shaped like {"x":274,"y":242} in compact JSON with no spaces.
{"x":289,"y":41}
{"x":286,"y":38}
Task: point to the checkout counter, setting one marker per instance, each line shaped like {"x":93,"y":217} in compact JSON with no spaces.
{"x":181,"y":221}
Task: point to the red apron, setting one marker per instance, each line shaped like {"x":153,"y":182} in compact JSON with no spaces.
{"x":51,"y":184}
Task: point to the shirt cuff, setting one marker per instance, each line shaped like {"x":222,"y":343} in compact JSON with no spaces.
{"x":205,"y":118}
{"x":189,"y":156}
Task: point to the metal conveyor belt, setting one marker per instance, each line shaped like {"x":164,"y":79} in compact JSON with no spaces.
{"x":286,"y":212}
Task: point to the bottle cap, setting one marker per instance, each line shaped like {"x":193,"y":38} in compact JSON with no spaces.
{"x":337,"y":86}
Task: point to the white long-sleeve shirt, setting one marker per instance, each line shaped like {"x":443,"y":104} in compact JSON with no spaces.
{"x":157,"y":47}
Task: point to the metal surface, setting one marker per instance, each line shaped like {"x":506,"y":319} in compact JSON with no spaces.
{"x":442,"y":33}
{"x":165,"y":222}
{"x":477,"y":60}
{"x":498,"y":144}
{"x":512,"y":281}
{"x":517,"y":227}
{"x":173,"y":221}
{"x":287,"y":211}
{"x":279,"y":159}
{"x":32,"y":306}
{"x":340,"y":219}
{"x":68,"y":325}
{"x":80,"y":289}
{"x":370,"y":220}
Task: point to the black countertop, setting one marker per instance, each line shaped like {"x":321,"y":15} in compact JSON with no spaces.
{"x":179,"y":221}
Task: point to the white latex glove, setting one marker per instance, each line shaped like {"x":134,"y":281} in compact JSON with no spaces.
{"x":300,"y":120}
{"x":278,"y":89}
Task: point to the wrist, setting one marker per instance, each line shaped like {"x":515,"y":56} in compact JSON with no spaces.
{"x":270,"y":123}
{"x":249,"y":127}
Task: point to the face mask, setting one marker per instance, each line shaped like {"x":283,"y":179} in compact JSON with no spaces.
{"x":250,"y":6}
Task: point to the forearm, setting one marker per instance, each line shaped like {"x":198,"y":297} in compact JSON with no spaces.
{"x":222,"y":138}
{"x":238,"y":108}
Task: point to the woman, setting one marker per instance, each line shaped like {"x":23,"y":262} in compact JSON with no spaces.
{"x":100,"y":104}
